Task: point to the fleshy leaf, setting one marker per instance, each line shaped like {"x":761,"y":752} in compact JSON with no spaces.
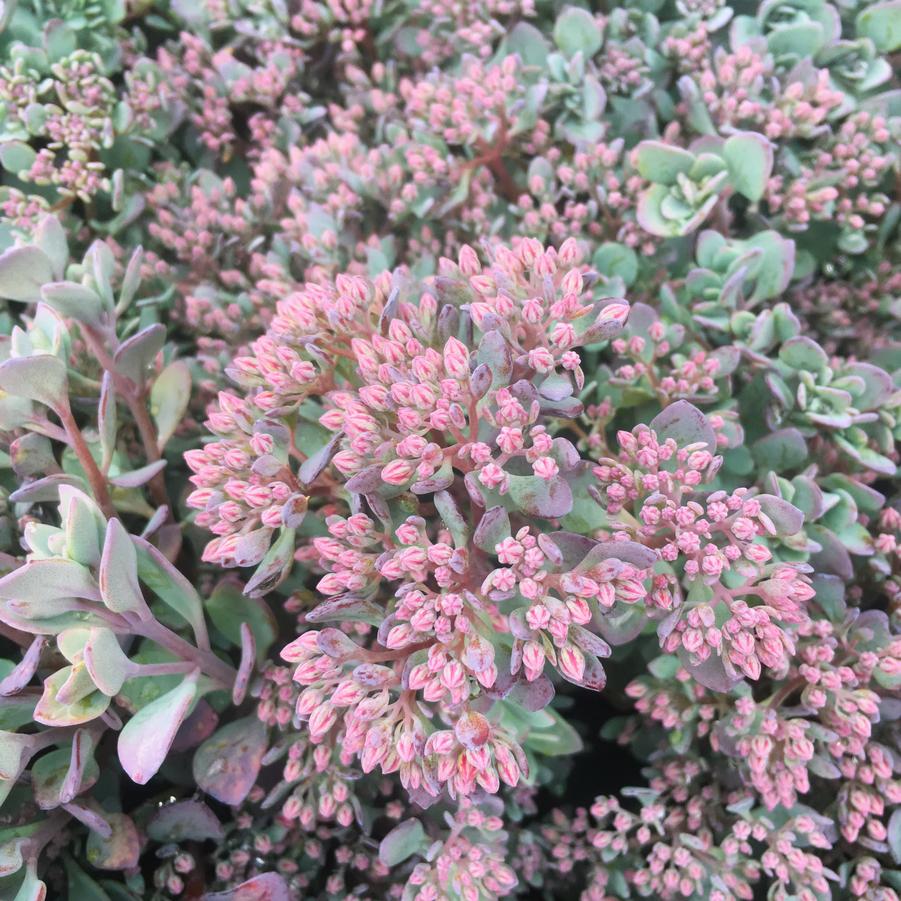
{"x":226,"y":765}
{"x":577,"y":31}
{"x":41,"y":377}
{"x":749,"y":157}
{"x":403,"y":841}
{"x":685,"y":424}
{"x":169,"y":398}
{"x":184,"y":821}
{"x":146,"y":738}
{"x":121,"y":851}
{"x":23,"y":270}
{"x":118,"y":572}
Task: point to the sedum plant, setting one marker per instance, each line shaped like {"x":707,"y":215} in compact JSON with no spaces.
{"x":450,"y":451}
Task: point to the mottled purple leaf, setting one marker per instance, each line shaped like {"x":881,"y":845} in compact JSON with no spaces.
{"x":184,"y":821}
{"x":121,"y":851}
{"x":265,"y":887}
{"x":493,"y":528}
{"x":685,"y":424}
{"x":549,"y":498}
{"x":226,"y":765}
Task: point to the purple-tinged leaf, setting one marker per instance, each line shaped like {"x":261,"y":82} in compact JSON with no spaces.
{"x":785,"y":518}
{"x":42,"y":378}
{"x":24,"y":670}
{"x":170,"y":585}
{"x":48,"y":580}
{"x":90,"y":818}
{"x":265,"y":887}
{"x":226,"y":765}
{"x":83,"y":771}
{"x":184,"y":821}
{"x":621,"y":624}
{"x":106,"y":662}
{"x":685,"y":424}
{"x":252,"y":547}
{"x":534,"y":695}
{"x":589,"y":642}
{"x":627,"y":551}
{"x":572,"y":546}
{"x":85,"y":704}
{"x":135,"y":356}
{"x":549,"y":498}
{"x":346,"y":608}
{"x":45,"y":489}
{"x":49,"y":773}
{"x":441,"y":481}
{"x":314,"y":465}
{"x":711,"y":673}
{"x":23,"y":270}
{"x":197,"y":728}
{"x":146,"y":738}
{"x":493,"y":528}
{"x":275,"y":565}
{"x":121,"y":851}
{"x":480,"y":380}
{"x":245,"y":668}
{"x":366,"y":481}
{"x":118,"y":572}
{"x":138,"y":477}
{"x":334,"y":643}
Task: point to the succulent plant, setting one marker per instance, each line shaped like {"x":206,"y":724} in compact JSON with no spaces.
{"x":405,"y":406}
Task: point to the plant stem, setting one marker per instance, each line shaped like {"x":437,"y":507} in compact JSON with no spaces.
{"x":135,"y":400}
{"x":209,"y":664}
{"x":87,"y":461}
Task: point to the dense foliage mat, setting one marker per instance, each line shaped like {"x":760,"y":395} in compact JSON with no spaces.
{"x":448,"y":450}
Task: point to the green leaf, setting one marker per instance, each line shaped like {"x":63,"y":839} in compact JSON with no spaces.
{"x":228,"y":608}
{"x":51,"y":712}
{"x":577,"y":31}
{"x":557,"y":741}
{"x":83,"y":524}
{"x":616,"y":260}
{"x":16,"y":156}
{"x":50,"y":237}
{"x":661,"y":163}
{"x":804,"y":353}
{"x":169,"y":398}
{"x":168,"y":584}
{"x":75,"y":301}
{"x":749,"y":158}
{"x":403,"y":841}
{"x":881,"y":23}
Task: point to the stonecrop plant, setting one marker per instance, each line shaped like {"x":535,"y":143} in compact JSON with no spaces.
{"x":449,"y":450}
